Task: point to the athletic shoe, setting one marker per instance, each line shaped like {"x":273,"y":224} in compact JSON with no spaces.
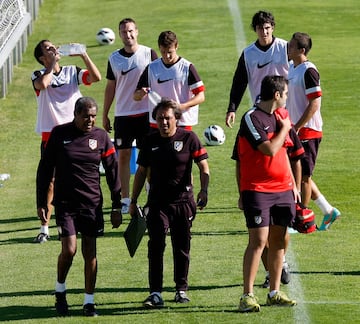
{"x":248,"y":303}
{"x":280,"y":299}
{"x":285,"y":274}
{"x":329,"y":219}
{"x":153,"y":301}
{"x":89,"y":310}
{"x":181,"y":297}
{"x":125,"y":204}
{"x":61,"y":304}
{"x":41,"y":238}
{"x":266,"y":283}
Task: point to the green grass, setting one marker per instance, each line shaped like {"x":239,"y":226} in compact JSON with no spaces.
{"x":326,"y":265}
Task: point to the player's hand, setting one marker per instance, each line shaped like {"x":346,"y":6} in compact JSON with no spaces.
{"x":202,"y":199}
{"x":116,"y":218}
{"x":230,"y":119}
{"x":240,"y":203}
{"x":107,"y":124}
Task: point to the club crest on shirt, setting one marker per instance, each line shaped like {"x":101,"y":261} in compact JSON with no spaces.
{"x":178,"y":145}
{"x":92,"y":144}
{"x":257,"y":220}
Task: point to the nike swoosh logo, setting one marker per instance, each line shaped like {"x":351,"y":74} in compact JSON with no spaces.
{"x":260,"y":66}
{"x":67,"y":142}
{"x":126,"y":72}
{"x":162,"y":81}
{"x":155,"y":148}
{"x":266,"y":128}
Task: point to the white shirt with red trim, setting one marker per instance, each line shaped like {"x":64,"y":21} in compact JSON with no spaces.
{"x":56,"y":103}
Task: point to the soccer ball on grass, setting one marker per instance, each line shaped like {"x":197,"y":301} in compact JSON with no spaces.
{"x":214,"y":135}
{"x":105,"y":36}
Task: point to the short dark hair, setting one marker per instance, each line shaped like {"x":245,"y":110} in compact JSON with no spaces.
{"x":167,"y":38}
{"x":84,"y":102}
{"x":38,"y":52}
{"x":270,"y":85}
{"x":303,"y":40}
{"x":261,"y":18}
{"x":165,"y":104}
{"x":127,"y":20}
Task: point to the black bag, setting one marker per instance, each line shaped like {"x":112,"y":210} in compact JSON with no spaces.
{"x":135,"y":230}
{"x":304,"y":220}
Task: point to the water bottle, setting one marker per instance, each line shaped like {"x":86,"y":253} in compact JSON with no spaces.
{"x":154,"y":97}
{"x":72,"y":49}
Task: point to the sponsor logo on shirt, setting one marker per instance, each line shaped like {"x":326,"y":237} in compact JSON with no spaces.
{"x":127,"y":71}
{"x":163,"y":81}
{"x":260,"y":66}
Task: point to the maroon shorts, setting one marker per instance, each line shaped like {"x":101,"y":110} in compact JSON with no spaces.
{"x":263,"y":209}
{"x":70,"y":221}
{"x":311,"y":148}
{"x":130,"y":128}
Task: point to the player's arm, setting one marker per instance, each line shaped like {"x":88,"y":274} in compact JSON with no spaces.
{"x":139,"y":181}
{"x":311,"y":109}
{"x":108,"y":99}
{"x":142,"y":86}
{"x":202,"y":197}
{"x":43,"y":80}
{"x":94,"y":73}
{"x":238,"y":87}
{"x":271,"y":147}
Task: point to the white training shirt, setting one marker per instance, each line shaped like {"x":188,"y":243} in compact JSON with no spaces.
{"x":172,"y":82}
{"x":299,"y":93}
{"x":56,"y":103}
{"x":259,"y":64}
{"x":127,"y":71}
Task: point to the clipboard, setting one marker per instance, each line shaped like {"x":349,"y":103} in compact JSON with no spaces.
{"x":135,"y":230}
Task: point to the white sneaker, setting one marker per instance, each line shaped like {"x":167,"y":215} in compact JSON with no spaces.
{"x":125,"y":204}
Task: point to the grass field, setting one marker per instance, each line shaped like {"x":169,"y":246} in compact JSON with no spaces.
{"x":325,"y":266}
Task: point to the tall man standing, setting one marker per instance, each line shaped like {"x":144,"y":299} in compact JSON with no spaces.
{"x":266,"y":189}
{"x":131,"y":117}
{"x":167,"y":155}
{"x":73,"y":156}
{"x":57,"y":89}
{"x":304,"y":103}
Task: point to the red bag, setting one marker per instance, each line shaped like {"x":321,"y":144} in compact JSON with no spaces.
{"x":304,"y":220}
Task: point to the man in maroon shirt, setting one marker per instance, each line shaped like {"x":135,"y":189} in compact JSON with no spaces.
{"x":73,"y":155}
{"x":168,"y":154}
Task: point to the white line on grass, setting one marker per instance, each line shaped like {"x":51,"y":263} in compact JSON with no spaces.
{"x":295,"y":289}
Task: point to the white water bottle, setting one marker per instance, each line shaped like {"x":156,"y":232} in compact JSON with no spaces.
{"x":72,"y":49}
{"x":154,"y":97}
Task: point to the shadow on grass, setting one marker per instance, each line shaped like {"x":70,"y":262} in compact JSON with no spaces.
{"x":21,"y":312}
{"x":334,"y":273}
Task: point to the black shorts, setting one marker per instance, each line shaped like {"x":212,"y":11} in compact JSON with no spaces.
{"x":70,"y":221}
{"x":263,"y":209}
{"x":311,"y":148}
{"x":130,"y":128}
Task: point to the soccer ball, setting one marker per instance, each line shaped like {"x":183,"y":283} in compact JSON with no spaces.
{"x":214,"y":135}
{"x":105,"y":36}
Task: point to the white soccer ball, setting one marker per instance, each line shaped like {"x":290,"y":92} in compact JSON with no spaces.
{"x":105,"y":36}
{"x":214,"y":135}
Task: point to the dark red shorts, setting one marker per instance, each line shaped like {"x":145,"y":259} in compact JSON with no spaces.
{"x":311,"y":148}
{"x":130,"y":128}
{"x":263,"y":209}
{"x":70,"y":221}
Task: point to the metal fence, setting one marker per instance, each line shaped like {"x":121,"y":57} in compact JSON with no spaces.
{"x":16,"y":18}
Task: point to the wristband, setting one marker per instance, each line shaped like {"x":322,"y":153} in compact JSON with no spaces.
{"x":204,"y":191}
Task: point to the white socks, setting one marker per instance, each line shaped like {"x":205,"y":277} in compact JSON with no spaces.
{"x":323,"y":204}
{"x":44,"y":229}
{"x":89,"y":299}
{"x":60,"y":287}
